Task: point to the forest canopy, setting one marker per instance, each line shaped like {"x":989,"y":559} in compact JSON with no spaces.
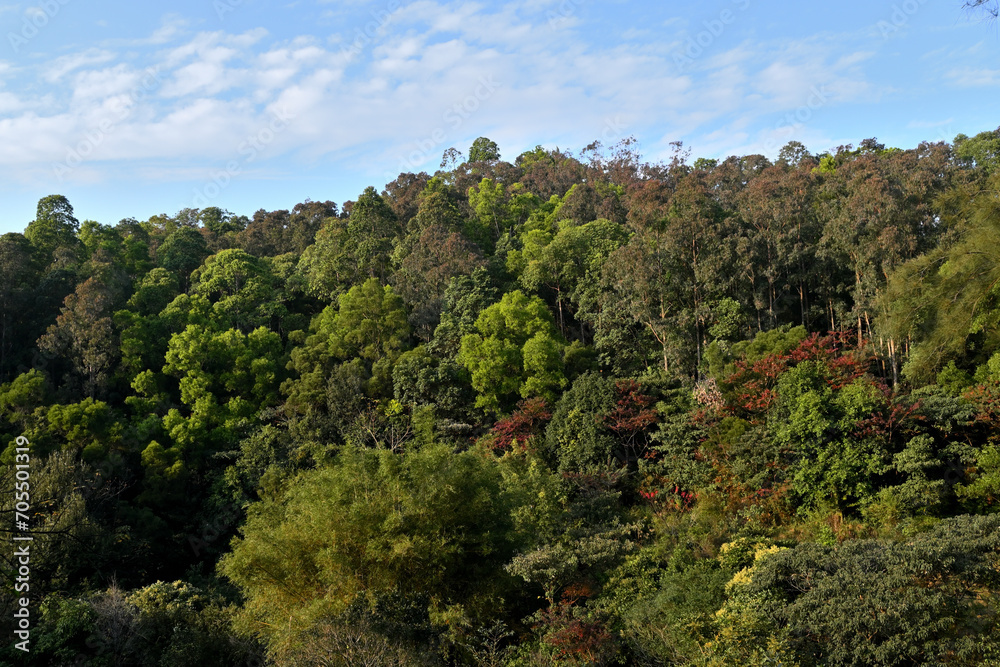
{"x":567,"y":409}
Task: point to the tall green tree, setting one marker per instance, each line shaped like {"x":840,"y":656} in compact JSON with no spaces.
{"x":242,"y":289}
{"x":516,"y":351}
{"x":182,"y":252}
{"x":369,"y":324}
{"x":484,"y":150}
{"x":19,"y":277}
{"x":373,"y":230}
{"x":84,"y":334}
{"x":54,"y":226}
{"x":568,"y":263}
{"x":945,"y":301}
{"x":435,"y":258}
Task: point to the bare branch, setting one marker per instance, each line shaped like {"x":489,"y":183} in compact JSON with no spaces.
{"x":990,"y":7}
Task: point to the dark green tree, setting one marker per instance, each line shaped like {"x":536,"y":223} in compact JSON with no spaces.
{"x":484,"y":150}
{"x":54,"y":226}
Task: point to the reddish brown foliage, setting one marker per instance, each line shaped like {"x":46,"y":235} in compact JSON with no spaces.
{"x":576,"y":592}
{"x":986,"y":398}
{"x":887,"y":422}
{"x":576,"y":639}
{"x":754,"y":385}
{"x":672,"y":498}
{"x":528,"y":421}
{"x":632,"y":416}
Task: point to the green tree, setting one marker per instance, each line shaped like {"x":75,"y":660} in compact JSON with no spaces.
{"x":182,"y":252}
{"x":349,"y":251}
{"x":242,"y":290}
{"x":426,"y":523}
{"x":572,"y":533}
{"x":778,"y":254}
{"x":877,"y":212}
{"x":945,"y":301}
{"x":69,"y":541}
{"x":84,"y":333}
{"x":568,"y":263}
{"x":219,"y":221}
{"x":981,"y":151}
{"x":328,"y":266}
{"x":19,"y":278}
{"x":54,"y":226}
{"x":370,"y":324}
{"x":436,"y":257}
{"x":577,"y":439}
{"x":835,"y":463}
{"x":144,"y":334}
{"x":438,"y":204}
{"x":372,"y":229}
{"x":493,"y":213}
{"x":927,"y":600}
{"x":484,"y":150}
{"x":87,"y":427}
{"x":641,"y":279}
{"x":225,"y":379}
{"x":517,"y":351}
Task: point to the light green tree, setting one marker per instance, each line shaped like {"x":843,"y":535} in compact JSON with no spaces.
{"x":427,"y":525}
{"x":517,"y":351}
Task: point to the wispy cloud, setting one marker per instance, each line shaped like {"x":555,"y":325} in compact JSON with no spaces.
{"x":969,"y":77}
{"x":421,"y":65}
{"x":60,"y":67}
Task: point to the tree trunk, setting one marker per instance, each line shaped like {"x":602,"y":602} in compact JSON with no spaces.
{"x":562,"y":324}
{"x":802,"y":303}
{"x":697,"y":368}
{"x":893,"y":363}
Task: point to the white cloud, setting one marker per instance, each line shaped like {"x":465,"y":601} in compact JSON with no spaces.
{"x":171,"y":28}
{"x":417,"y":88}
{"x":968,"y":77}
{"x":93,"y":86}
{"x":60,"y":67}
{"x":10,"y":102}
{"x":929,"y":124}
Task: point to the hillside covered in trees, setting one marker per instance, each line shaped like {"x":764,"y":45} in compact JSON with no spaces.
{"x":564,"y":410}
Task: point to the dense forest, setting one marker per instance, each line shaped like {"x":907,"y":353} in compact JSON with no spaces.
{"x":574,"y":409}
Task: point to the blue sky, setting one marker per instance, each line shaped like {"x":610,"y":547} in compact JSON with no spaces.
{"x":130,"y":110}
